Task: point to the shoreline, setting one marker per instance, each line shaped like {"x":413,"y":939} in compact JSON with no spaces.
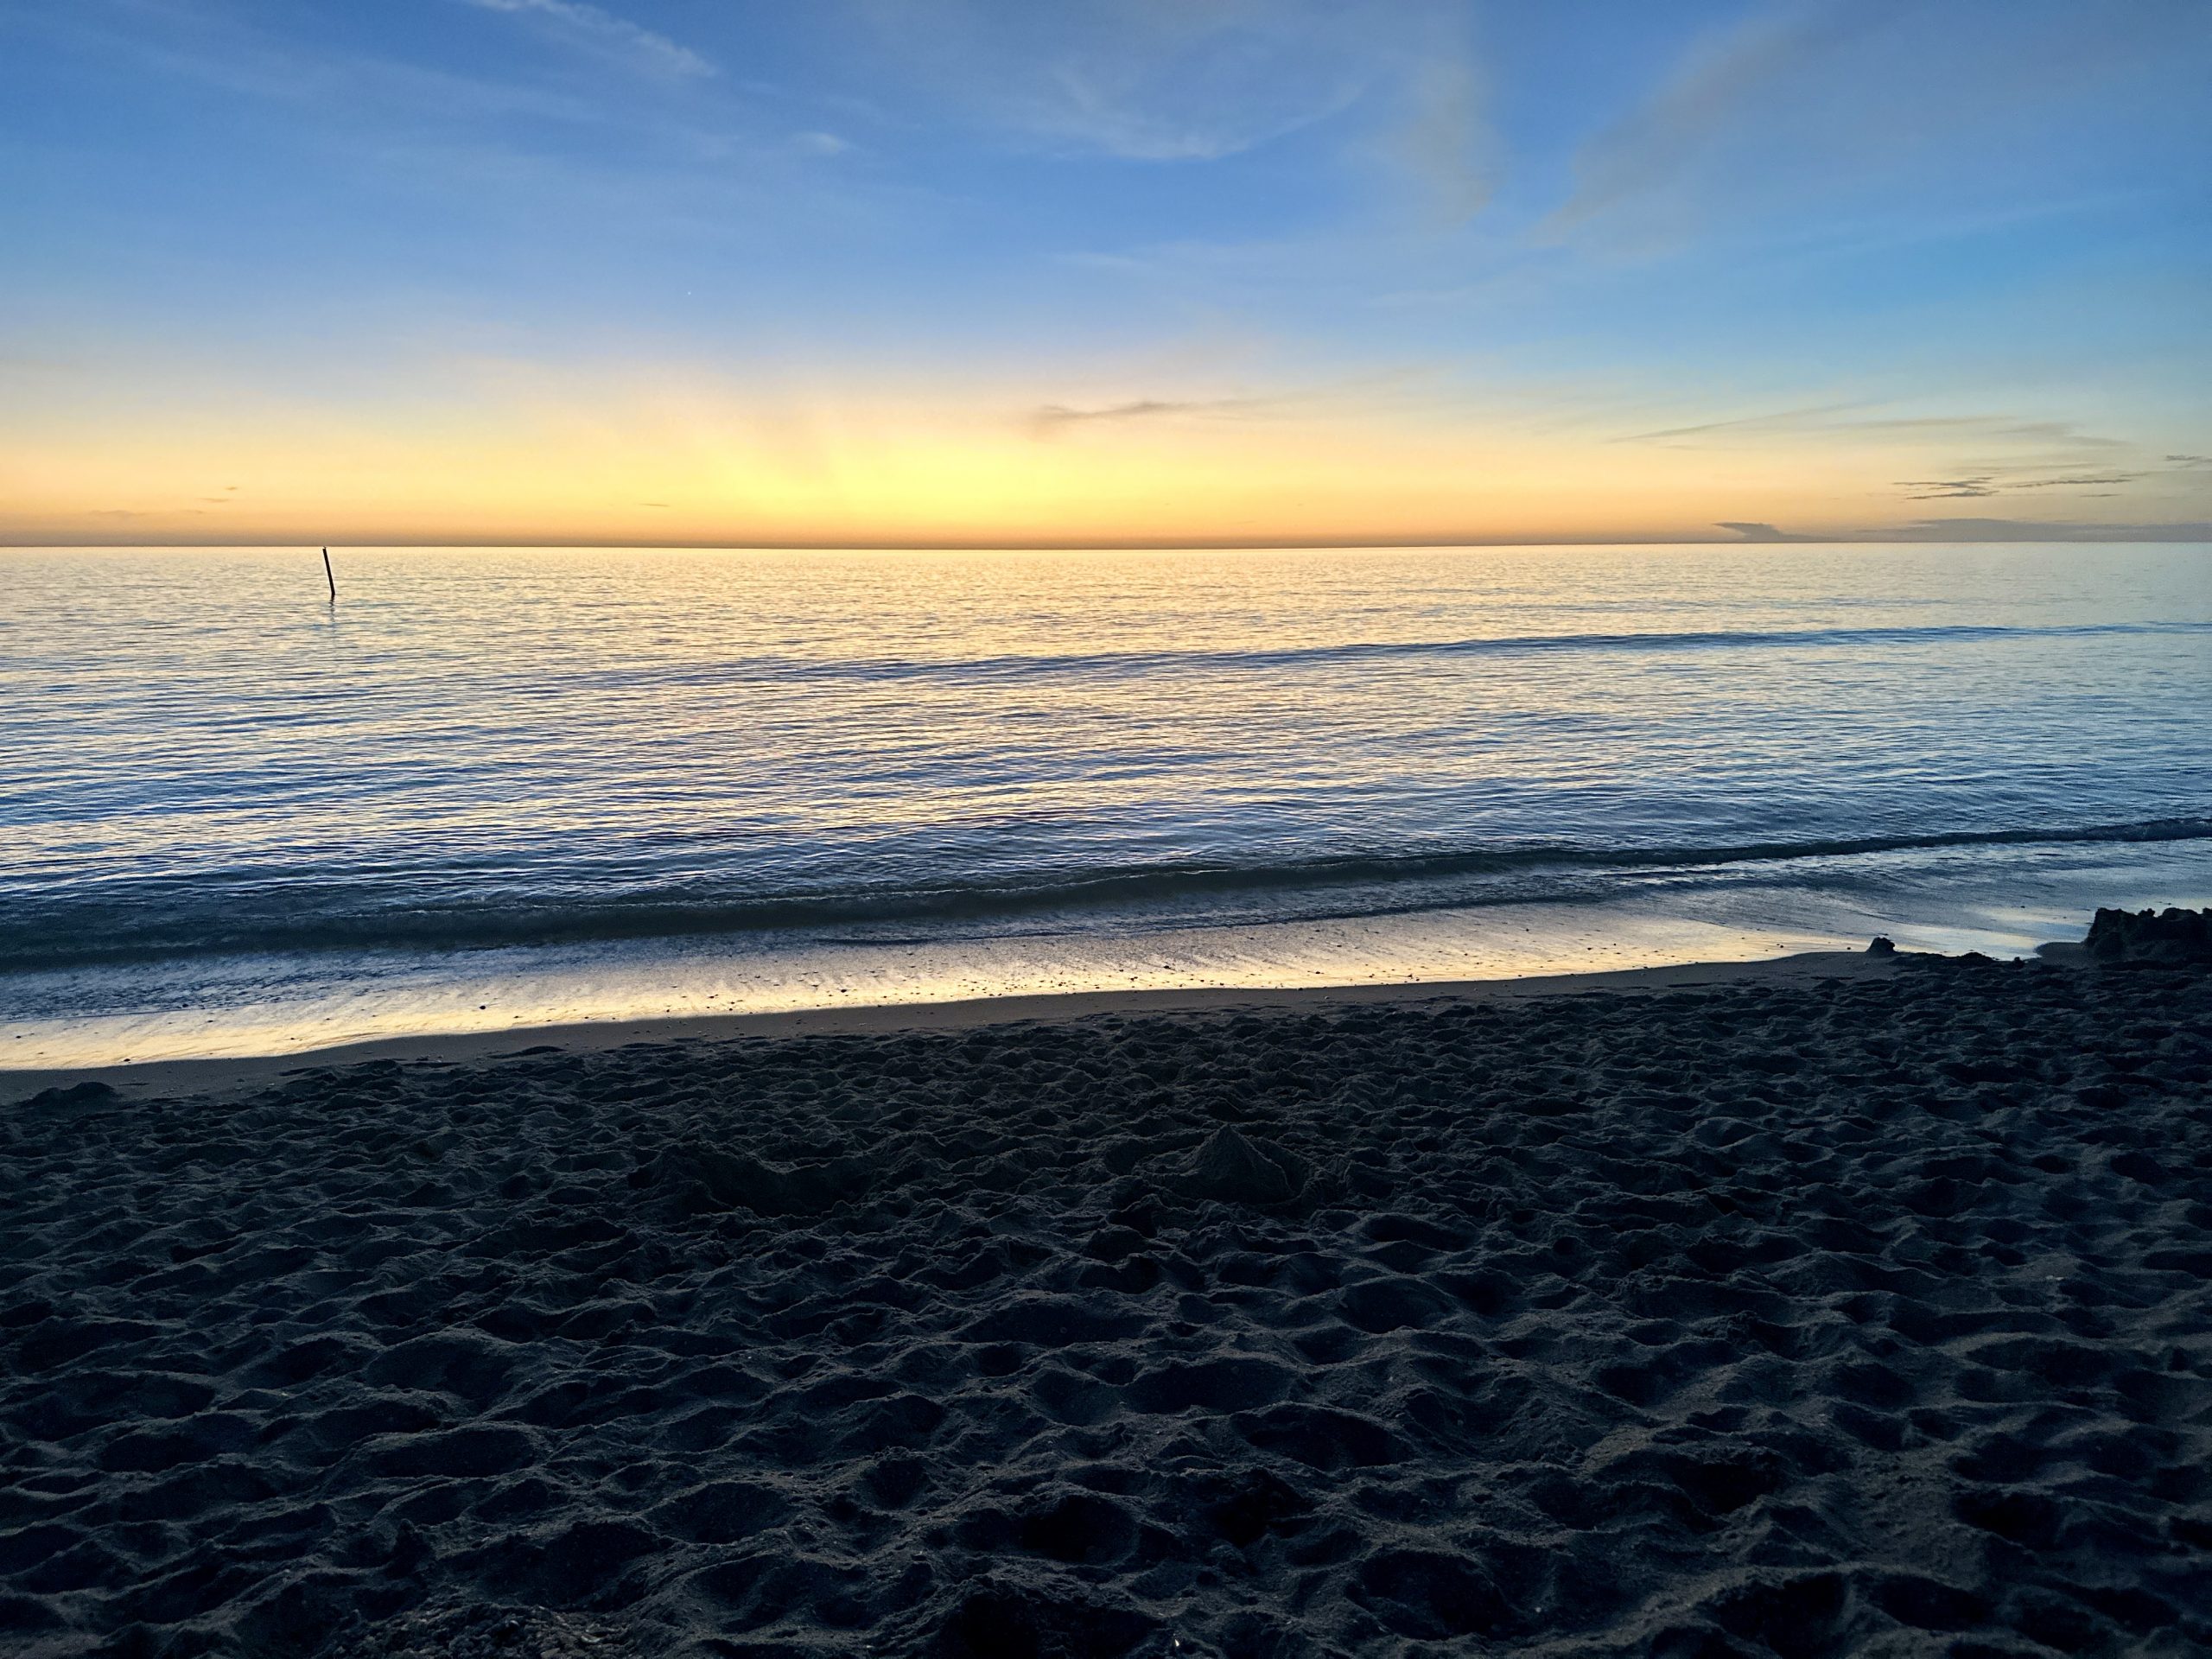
{"x":219,"y":1075}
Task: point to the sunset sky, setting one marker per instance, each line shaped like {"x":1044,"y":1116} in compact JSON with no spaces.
{"x":921,"y":271}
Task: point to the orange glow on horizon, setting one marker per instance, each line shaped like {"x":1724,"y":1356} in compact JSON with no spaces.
{"x":679,"y":464}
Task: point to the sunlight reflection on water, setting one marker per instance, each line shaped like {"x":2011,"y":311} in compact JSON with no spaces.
{"x":229,"y":807}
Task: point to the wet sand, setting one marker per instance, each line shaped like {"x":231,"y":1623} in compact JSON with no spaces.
{"x":225,"y":1075}
{"x":1835,"y":1304}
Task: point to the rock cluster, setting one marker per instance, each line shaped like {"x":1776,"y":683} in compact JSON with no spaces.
{"x":2168,"y":935}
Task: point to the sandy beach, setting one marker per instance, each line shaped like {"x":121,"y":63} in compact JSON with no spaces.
{"x":1840,"y":1305}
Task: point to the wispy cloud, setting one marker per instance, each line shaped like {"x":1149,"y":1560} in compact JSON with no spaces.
{"x":1048,"y":420}
{"x":604,"y":32}
{"x":218,"y":48}
{"x":1655,"y":147}
{"x":1930,"y":489}
{"x":1149,"y":82}
{"x":511,"y":138}
{"x":1805,"y":103}
{"x":2074,"y":482}
{"x":1788,"y":420}
{"x":1847,"y":418}
{"x":1447,"y":144}
{"x":1365,"y":395}
{"x":1980,"y":455}
{"x":2062,"y":433}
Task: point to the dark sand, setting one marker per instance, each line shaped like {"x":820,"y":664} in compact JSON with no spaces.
{"x":1848,"y":1309}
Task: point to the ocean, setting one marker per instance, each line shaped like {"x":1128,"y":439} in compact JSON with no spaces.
{"x":506,"y":786}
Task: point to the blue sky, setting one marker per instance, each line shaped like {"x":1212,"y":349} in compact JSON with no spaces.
{"x":949,"y":270}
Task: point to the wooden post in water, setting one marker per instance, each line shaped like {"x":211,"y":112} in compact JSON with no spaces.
{"x":328,"y":577}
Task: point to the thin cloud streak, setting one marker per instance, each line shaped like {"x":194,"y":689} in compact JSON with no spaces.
{"x":1657,"y":145}
{"x":1822,"y":417}
{"x":605,"y":32}
{"x":1789,"y":420}
{"x":1393,"y":389}
{"x":1930,"y":489}
{"x":1447,"y":145}
{"x":1153,"y":83}
{"x":1048,"y":420}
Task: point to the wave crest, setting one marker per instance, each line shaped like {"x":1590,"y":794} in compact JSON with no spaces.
{"x":159,"y":919}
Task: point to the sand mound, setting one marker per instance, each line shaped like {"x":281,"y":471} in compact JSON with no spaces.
{"x":1237,"y":1169}
{"x":1867,"y":1316}
{"x":708,"y":1179}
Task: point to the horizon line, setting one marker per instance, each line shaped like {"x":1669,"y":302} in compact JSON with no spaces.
{"x":2089,"y":535}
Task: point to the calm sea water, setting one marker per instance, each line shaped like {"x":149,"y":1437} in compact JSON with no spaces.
{"x":218,"y":791}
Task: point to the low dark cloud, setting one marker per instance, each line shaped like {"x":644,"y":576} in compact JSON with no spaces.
{"x":2190,"y":463}
{"x":1758,"y":532}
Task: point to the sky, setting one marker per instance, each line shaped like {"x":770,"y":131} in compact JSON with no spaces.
{"x":1120,"y":272}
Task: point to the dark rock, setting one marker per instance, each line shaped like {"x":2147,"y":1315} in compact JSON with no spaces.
{"x":2171,"y":935}
{"x":1882,"y":945}
{"x":77,"y":1094}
